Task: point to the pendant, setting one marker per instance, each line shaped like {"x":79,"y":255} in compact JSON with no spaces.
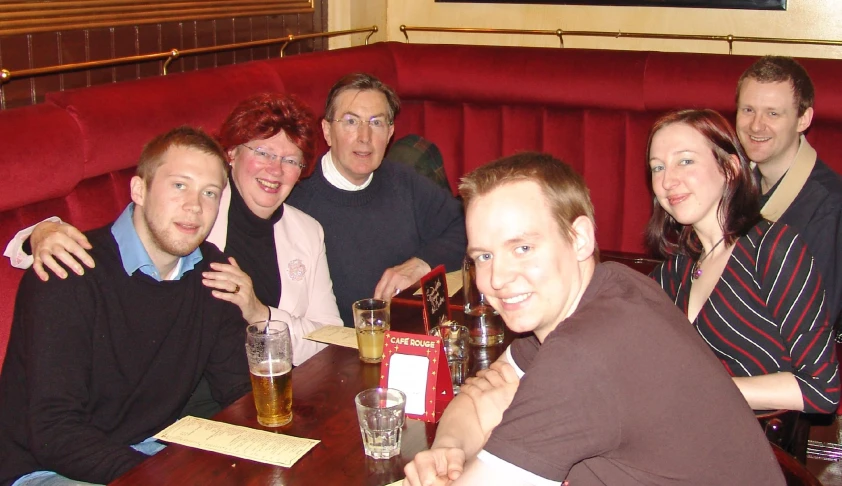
{"x":696,"y":272}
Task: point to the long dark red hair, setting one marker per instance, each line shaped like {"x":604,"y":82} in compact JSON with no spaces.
{"x":739,"y":207}
{"x":264,"y":116}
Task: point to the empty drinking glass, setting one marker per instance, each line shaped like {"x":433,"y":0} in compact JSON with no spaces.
{"x":380,"y":412}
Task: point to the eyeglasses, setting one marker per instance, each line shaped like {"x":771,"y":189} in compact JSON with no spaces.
{"x":351,"y":123}
{"x":266,"y":158}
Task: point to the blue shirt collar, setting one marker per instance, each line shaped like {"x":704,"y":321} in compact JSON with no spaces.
{"x":134,"y":254}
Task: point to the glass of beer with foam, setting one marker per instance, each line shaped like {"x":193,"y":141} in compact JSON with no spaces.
{"x":269,"y":351}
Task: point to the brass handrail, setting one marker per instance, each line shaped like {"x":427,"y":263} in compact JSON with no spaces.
{"x":173,"y":54}
{"x":29,"y":17}
{"x":560,"y":33}
{"x":470,"y":30}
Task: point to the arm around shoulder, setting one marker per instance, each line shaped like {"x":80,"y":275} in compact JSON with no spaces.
{"x":14,"y":249}
{"x":55,"y":245}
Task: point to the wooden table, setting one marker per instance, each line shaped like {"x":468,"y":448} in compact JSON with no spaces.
{"x":324,"y":388}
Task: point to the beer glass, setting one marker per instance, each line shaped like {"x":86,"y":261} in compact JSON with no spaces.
{"x":485,"y":324}
{"x":269,"y":351}
{"x":371,"y":321}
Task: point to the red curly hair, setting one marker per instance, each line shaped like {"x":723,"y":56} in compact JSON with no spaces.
{"x":264,"y":116}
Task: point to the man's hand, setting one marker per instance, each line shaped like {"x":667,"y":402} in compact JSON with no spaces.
{"x":492,"y":392}
{"x":233,"y":285}
{"x":400,"y":277}
{"x":437,"y":466}
{"x":59,"y":241}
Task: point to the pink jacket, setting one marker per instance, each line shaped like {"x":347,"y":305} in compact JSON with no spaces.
{"x":307,"y":301}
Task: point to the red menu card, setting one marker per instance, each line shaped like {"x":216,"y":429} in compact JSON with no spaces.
{"x":416,"y":365}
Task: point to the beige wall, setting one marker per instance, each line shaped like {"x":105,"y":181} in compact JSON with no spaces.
{"x":803,"y":19}
{"x":356,"y":14}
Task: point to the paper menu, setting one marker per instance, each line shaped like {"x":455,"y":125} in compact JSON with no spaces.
{"x":454,"y":283}
{"x":237,"y":441}
{"x":339,"y":335}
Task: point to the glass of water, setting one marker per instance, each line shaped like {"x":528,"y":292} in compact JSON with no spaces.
{"x":380,"y":412}
{"x":455,"y":340}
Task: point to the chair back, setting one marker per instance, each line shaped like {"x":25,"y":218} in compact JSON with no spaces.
{"x":795,"y":473}
{"x":787,"y":429}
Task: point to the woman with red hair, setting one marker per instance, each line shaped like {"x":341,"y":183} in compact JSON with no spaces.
{"x":270,"y":141}
{"x":749,"y":286}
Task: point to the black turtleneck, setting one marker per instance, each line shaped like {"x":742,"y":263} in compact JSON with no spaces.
{"x":251,"y":240}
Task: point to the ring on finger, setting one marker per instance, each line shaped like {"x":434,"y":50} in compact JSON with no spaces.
{"x":236,"y":288}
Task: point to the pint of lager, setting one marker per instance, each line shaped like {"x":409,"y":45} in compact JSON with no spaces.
{"x":269,"y":351}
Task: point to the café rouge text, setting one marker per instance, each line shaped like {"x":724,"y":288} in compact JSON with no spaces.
{"x":423,"y":343}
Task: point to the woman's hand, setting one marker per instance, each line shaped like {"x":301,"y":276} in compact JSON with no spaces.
{"x":59,"y":241}
{"x":232,"y":284}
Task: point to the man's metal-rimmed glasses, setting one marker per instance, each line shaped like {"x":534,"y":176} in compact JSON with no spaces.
{"x":352,"y":123}
{"x":266,"y":158}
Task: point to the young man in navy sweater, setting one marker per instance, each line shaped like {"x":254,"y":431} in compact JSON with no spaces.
{"x":99,"y":363}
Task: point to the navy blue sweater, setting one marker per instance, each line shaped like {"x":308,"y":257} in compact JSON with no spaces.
{"x":102,"y":361}
{"x":400,"y":215}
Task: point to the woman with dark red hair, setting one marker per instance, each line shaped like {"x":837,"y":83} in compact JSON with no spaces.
{"x":270,"y":141}
{"x":749,"y":286}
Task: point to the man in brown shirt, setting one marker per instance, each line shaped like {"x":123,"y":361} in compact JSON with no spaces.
{"x":615,"y":387}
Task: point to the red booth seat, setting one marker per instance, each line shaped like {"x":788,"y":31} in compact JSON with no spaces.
{"x":73,"y":155}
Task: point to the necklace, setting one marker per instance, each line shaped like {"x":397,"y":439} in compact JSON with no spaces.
{"x":696,"y":271}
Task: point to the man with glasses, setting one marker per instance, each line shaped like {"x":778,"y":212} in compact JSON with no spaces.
{"x":385,"y":225}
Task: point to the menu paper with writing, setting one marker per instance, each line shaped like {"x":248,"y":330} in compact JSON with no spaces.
{"x":454,"y":283}
{"x":339,"y":335}
{"x":435,"y":298}
{"x":234,"y":440}
{"x":416,"y":365}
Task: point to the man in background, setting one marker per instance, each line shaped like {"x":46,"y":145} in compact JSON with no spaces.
{"x":774,"y":109}
{"x":385,"y":225}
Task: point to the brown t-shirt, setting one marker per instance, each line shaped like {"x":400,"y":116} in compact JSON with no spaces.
{"x":624,"y":391}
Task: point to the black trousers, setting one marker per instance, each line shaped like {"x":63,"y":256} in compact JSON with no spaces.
{"x":202,"y":404}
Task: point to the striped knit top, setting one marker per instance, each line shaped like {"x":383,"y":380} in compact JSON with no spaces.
{"x":766,"y":313}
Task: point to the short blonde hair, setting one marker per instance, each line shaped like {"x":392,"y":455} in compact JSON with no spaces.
{"x":564,"y":189}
